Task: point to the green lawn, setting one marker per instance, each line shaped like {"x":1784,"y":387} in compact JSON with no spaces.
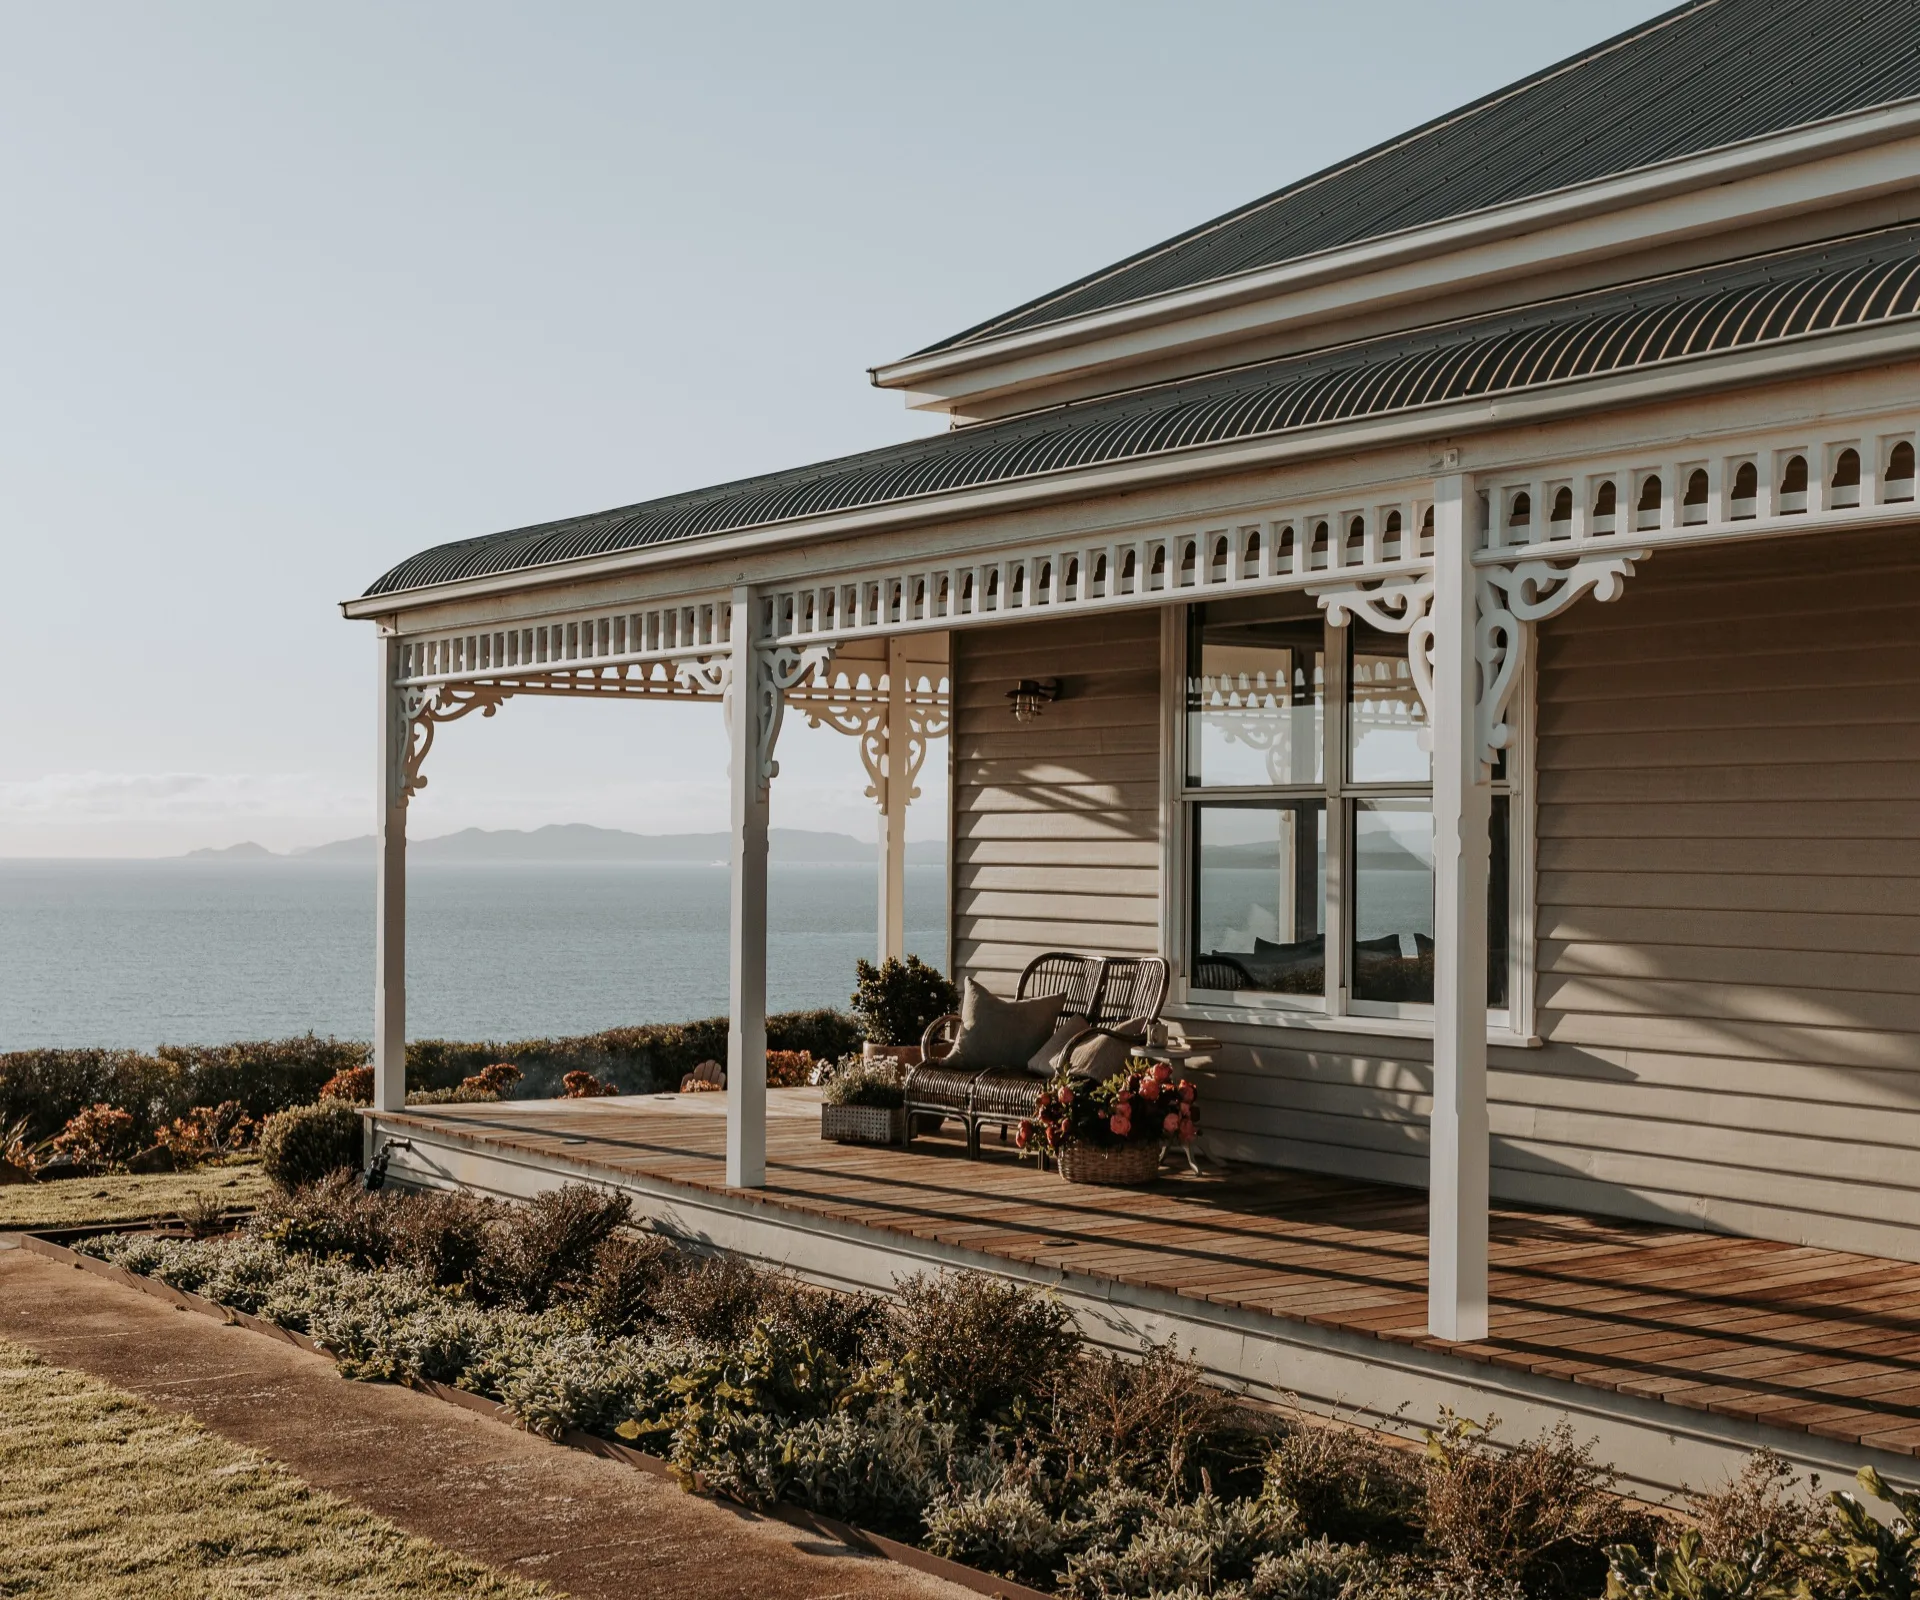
{"x":74,"y":1202}
{"x":103,"y":1496}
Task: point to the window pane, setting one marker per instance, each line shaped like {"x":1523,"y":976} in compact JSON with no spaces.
{"x":1384,"y":714}
{"x":1392,"y":900}
{"x":1260,"y":893}
{"x":1254,"y":702}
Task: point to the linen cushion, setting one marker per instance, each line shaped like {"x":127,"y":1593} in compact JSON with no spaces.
{"x":1045,"y":1061}
{"x":1001,"y":1033}
{"x":1100,"y":1055}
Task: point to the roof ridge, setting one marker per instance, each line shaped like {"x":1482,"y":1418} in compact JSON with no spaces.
{"x":1351,"y":163}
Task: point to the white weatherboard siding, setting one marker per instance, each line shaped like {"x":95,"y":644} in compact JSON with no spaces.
{"x":1056,"y":832}
{"x":1729,"y":898}
{"x":1729,"y":890}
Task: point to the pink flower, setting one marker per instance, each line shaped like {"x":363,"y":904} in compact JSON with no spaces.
{"x":1066,"y":1097}
{"x":1151,"y":1088}
{"x":1186,"y":1131}
{"x":1162,"y":1073}
{"x":1186,"y":1092}
{"x":1022,"y":1134}
{"x":1172,"y":1122}
{"x":1120,"y":1125}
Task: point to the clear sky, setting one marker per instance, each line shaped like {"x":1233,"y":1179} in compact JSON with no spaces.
{"x":290,"y":292}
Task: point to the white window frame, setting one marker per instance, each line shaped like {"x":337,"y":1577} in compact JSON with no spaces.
{"x":1336,"y":1011}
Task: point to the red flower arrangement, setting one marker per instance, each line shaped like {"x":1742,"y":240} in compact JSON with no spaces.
{"x":1142,"y":1105}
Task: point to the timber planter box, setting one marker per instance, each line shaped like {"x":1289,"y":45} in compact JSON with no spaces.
{"x":864,"y":1124}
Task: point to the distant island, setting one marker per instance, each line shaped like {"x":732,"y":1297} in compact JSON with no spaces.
{"x":580,"y":842}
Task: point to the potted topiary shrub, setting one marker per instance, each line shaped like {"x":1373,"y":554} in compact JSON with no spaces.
{"x":864,"y":1102}
{"x":895,"y":1001}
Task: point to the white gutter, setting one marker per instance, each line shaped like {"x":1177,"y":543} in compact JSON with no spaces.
{"x":1715,"y":168}
{"x":1804,"y":355}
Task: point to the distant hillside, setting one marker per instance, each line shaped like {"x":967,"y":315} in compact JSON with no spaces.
{"x":579,"y":842}
{"x":233,"y":852}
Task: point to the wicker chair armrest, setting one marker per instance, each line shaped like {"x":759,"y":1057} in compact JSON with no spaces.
{"x":936,"y":1044}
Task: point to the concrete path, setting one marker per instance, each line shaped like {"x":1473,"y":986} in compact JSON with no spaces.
{"x":590,"y":1527}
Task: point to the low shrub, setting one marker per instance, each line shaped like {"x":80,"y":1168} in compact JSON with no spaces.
{"x":895,"y":1001}
{"x":585,"y":1086}
{"x":1538,"y":1515}
{"x":551,"y":1243}
{"x":100,"y":1138}
{"x":629,"y":1272}
{"x":788,"y":1069}
{"x":304,"y":1144}
{"x":1156,"y":1422}
{"x":980,"y":1344}
{"x":353,"y":1084}
{"x":332,"y":1215}
{"x":715,"y":1300}
{"x":495,"y":1082}
{"x":1347,"y":1485}
{"x":207,"y":1133}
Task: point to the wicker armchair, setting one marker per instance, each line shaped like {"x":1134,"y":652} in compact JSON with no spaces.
{"x":1104,"y":990}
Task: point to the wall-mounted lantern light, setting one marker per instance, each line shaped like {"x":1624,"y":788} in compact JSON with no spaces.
{"x":1030,"y":694}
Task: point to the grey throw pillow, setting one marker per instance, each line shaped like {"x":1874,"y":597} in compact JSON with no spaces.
{"x":1045,"y":1061}
{"x":1001,"y":1033}
{"x":1100,"y":1055}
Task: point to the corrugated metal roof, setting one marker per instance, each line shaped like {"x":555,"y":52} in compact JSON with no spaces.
{"x":1827,"y":288}
{"x":1708,"y":74}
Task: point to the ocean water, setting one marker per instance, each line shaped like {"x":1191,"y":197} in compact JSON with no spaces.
{"x":138,"y":953}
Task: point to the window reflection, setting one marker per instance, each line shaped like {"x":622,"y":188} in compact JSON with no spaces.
{"x":1260,"y":891}
{"x":1384,"y":714}
{"x":1254,"y":702}
{"x":1393,"y":900}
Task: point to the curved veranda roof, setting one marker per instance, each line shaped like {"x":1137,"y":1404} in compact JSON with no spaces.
{"x":1704,"y":76}
{"x":1828,"y":288}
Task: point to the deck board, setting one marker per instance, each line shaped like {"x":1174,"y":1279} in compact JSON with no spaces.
{"x":1820,"y":1341}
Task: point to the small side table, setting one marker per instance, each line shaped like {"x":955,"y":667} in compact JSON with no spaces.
{"x":1176,"y":1053}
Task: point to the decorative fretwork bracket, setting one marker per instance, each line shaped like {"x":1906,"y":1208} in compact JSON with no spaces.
{"x":421,"y":711}
{"x":779,"y":668}
{"x":1510,"y":599}
{"x":1397,"y":605}
{"x":863,"y":715}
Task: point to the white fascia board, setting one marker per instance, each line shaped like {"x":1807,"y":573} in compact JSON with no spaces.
{"x":1806,"y":356}
{"x":1818,"y":167}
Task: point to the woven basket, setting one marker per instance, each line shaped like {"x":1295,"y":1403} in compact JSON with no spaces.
{"x":864,"y":1124}
{"x":1121,"y":1166}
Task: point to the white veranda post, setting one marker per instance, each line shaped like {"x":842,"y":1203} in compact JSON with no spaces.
{"x":390,"y":890}
{"x":1462,"y":817}
{"x":746,"y":711}
{"x":896,"y":790}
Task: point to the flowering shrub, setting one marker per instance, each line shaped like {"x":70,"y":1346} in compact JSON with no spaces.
{"x":788,"y":1069}
{"x":208,"y":1132}
{"x":1142,"y":1105}
{"x":100,"y":1138}
{"x":585,"y":1086}
{"x":352,"y":1084}
{"x":496,"y":1080}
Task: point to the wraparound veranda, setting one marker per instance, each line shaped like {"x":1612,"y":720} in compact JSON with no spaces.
{"x":1470,"y":644}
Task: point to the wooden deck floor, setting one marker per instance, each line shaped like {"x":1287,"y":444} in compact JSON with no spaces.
{"x":1789,"y":1336}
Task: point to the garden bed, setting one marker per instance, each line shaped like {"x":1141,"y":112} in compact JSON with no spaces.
{"x":962,"y":1429}
{"x":58,"y":1245}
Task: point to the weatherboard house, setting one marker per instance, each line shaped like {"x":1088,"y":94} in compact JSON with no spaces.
{"x":1464,"y":610}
